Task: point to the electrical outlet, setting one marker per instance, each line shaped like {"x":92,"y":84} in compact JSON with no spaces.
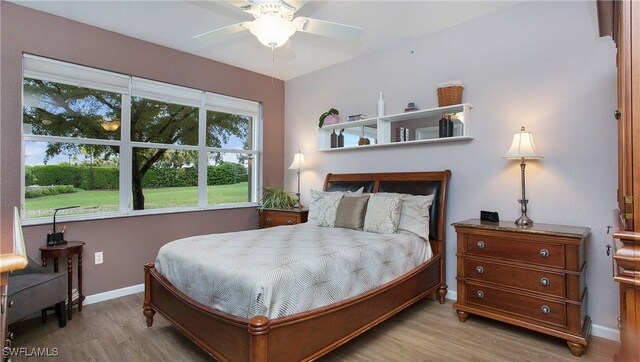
{"x":99,"y":259}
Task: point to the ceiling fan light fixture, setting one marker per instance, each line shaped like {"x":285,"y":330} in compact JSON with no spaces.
{"x":110,"y":125}
{"x":272,"y":31}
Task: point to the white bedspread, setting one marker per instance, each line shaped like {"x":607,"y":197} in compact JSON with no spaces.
{"x":286,"y":270}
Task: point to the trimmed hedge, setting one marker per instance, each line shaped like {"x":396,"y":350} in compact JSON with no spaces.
{"x":34,"y":192}
{"x":108,"y":178}
{"x":170,"y":177}
{"x":226,"y":173}
{"x":83,"y":177}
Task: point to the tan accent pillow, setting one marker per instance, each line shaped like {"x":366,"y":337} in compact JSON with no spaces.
{"x":383,"y":214}
{"x":351,"y":212}
{"x":316,"y":196}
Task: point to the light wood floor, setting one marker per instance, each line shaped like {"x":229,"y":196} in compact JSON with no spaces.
{"x":115,"y":330}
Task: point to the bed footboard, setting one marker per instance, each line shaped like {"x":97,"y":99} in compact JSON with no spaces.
{"x":315,"y":332}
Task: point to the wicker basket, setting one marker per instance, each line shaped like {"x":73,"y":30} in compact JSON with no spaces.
{"x":448,"y":96}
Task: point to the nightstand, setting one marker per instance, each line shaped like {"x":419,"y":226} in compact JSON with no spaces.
{"x":67,"y":250}
{"x":532,"y":277}
{"x":278,"y":217}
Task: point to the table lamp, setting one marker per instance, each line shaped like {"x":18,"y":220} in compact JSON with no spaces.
{"x":297,"y":164}
{"x":522,"y":148}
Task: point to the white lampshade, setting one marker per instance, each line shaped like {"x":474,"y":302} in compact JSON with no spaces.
{"x":271,"y":30}
{"x":298,"y":162}
{"x":522,"y":146}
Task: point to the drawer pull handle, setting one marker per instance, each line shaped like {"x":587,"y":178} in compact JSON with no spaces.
{"x":10,"y":304}
{"x":268,"y":219}
{"x":480,"y":294}
{"x":545,"y":282}
{"x":544,"y":253}
{"x":289,"y":222}
{"x":480,"y":269}
{"x":480,"y":244}
{"x":545,"y":309}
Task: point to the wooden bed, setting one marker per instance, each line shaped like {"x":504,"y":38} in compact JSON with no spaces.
{"x":309,"y":335}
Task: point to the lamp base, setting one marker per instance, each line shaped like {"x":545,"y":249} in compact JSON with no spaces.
{"x":298,"y":205}
{"x":524,"y":220}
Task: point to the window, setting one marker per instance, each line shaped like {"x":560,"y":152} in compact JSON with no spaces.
{"x":115,"y":144}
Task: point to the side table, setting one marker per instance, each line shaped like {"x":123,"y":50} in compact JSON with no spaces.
{"x":67,"y":250}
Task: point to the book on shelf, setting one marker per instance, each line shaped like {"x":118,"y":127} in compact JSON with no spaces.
{"x":75,"y":295}
{"x":356,"y":117}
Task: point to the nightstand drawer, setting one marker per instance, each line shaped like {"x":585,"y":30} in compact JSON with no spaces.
{"x":524,"y":306}
{"x":279,"y":217}
{"x":530,"y":252}
{"x":518,"y":277}
{"x":274,"y":219}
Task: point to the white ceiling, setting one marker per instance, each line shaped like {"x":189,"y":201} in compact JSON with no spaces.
{"x":174,"y":23}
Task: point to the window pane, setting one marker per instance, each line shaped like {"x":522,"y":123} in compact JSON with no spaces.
{"x":55,"y":109}
{"x":164,"y":178}
{"x":229,"y":178}
{"x":225,"y":130}
{"x":159,"y":122}
{"x":65,"y":174}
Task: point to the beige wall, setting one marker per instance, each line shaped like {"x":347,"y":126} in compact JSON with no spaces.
{"x":526,"y":65}
{"x":127,"y":243}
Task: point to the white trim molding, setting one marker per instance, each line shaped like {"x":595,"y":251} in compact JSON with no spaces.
{"x":596,"y":329}
{"x":113,"y":294}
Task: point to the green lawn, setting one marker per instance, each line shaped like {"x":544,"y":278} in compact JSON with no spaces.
{"x":102,"y":200}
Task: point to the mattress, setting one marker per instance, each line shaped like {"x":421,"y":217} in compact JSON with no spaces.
{"x":281,"y":271}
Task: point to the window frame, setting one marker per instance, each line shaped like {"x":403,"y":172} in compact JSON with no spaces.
{"x":82,"y":76}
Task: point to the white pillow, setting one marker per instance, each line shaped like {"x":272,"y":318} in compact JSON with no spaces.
{"x":414,"y":214}
{"x":328,"y":209}
{"x":316,"y":196}
{"x":383,"y":214}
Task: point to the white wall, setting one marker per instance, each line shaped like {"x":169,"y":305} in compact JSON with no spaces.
{"x":535,"y":64}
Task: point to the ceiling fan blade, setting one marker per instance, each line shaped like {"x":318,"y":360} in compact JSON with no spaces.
{"x":224,"y":31}
{"x":327,"y":28}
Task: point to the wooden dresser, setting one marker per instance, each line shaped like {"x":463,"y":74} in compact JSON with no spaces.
{"x":621,"y":21}
{"x":531,"y":277}
{"x":279,"y":217}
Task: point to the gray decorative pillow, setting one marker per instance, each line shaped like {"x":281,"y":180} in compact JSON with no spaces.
{"x":351,"y":212}
{"x":414,"y":214}
{"x":328,"y":209}
{"x":383,"y":214}
{"x":316,"y":196}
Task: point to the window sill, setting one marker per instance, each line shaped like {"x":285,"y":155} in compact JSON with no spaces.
{"x":116,"y":215}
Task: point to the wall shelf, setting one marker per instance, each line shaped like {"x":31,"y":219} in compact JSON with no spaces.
{"x":383,"y":131}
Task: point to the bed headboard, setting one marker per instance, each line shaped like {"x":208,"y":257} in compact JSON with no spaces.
{"x":416,"y":183}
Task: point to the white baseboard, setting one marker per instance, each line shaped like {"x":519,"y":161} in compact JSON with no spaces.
{"x":596,"y":329}
{"x":112,"y":294}
{"x":605,"y":332}
{"x":451,"y":295}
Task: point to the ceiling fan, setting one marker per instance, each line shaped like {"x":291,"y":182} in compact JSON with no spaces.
{"x":274,"y":24}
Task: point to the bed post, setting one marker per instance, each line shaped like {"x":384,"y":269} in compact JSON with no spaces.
{"x":147,"y":310}
{"x":442,"y":231}
{"x":258,"y":333}
{"x":442,"y":291}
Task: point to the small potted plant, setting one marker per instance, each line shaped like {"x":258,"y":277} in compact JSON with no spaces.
{"x":329,"y":117}
{"x":275,"y":197}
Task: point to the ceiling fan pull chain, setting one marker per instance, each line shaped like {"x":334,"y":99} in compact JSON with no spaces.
{"x":273,"y":60}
